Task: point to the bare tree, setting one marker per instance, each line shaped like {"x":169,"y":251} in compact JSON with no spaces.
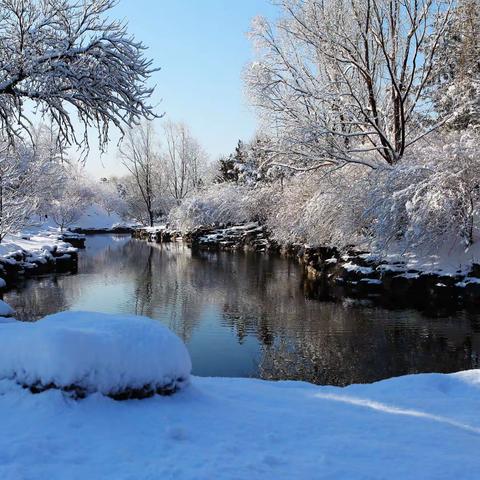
{"x":62,"y":56}
{"x":140,"y":155}
{"x":342,"y":82}
{"x":183,"y":160}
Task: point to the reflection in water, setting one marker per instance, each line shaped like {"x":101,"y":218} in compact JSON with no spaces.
{"x":246,"y":315}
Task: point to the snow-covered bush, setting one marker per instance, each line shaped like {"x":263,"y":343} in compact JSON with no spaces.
{"x":219,"y":203}
{"x":319,"y":208}
{"x":287,"y":214}
{"x":86,"y":352}
{"x":430,"y":199}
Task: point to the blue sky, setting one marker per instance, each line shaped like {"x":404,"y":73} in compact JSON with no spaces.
{"x":201,"y":48}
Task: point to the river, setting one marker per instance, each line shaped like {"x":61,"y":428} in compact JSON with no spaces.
{"x":246,"y":314}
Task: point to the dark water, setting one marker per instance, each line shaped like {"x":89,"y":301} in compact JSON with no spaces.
{"x":247,"y":315}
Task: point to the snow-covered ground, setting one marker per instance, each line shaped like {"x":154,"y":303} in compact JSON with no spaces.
{"x":97,"y":218}
{"x":413,"y":427}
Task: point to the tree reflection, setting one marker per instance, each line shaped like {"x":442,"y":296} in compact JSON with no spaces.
{"x":368,"y":351}
{"x":254,"y":304}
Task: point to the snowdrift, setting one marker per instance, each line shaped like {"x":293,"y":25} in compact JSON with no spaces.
{"x":85,"y":352}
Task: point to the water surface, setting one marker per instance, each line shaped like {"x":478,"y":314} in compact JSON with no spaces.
{"x":247,"y":315}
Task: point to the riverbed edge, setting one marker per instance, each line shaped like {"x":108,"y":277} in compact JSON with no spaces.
{"x":334,"y":275}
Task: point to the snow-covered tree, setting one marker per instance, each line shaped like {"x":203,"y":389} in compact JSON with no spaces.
{"x":430,"y":200}
{"x":455,"y":85}
{"x":140,"y":155}
{"x":71,"y":200}
{"x":107,"y":195}
{"x":16,"y":205}
{"x":247,"y":164}
{"x":342,"y":82}
{"x":64,"y":57}
{"x":27,"y":178}
{"x":183,"y":159}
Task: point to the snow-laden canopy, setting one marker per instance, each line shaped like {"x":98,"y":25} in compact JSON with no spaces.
{"x":92,"y":352}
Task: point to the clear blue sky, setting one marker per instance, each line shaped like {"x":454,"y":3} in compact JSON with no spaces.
{"x":201,"y":48}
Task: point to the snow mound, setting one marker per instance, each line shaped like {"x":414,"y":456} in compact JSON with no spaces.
{"x":6,"y":310}
{"x":86,"y":352}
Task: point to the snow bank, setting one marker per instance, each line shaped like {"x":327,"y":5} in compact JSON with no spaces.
{"x":31,"y":253}
{"x":94,"y":352}
{"x":6,"y":310}
{"x":39,"y":244}
{"x":414,"y":427}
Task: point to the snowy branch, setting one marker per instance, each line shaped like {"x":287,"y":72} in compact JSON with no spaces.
{"x":59,"y":57}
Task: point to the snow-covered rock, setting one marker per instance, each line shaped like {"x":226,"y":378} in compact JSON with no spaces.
{"x":6,"y":310}
{"x":88,"y":352}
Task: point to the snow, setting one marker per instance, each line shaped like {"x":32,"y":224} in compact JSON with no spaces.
{"x":449,"y":260}
{"x":6,"y":310}
{"x":371,"y":281}
{"x":408,"y":275}
{"x":96,"y":217}
{"x":39,"y":245}
{"x":391,"y":268}
{"x":351,"y":267}
{"x":418,"y":426}
{"x":331,"y":260}
{"x":96,"y":352}
{"x":27,"y":249}
{"x":468,"y":281}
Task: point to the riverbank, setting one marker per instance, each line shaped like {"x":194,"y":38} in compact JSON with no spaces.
{"x":417,"y":426}
{"x":40,"y":253}
{"x":433,"y":283}
{"x":251,"y":236}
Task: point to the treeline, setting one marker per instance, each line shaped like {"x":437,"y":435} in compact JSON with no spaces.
{"x":370,"y":113}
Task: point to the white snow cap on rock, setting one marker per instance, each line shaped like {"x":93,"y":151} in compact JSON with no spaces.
{"x":94,"y":351}
{"x":6,"y":310}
